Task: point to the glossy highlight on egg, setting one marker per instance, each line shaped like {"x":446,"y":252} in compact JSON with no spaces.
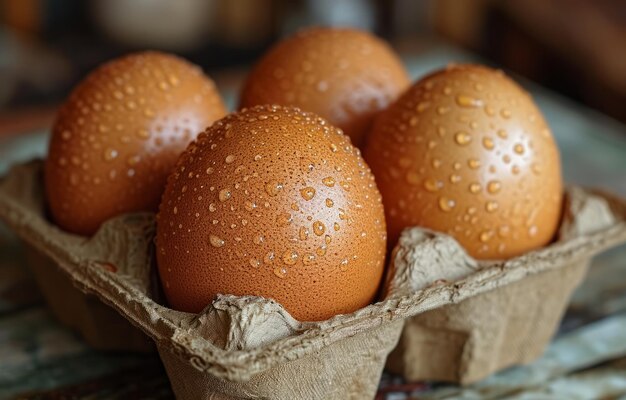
{"x":118,"y":135}
{"x":344,"y":75}
{"x":274,"y":202}
{"x":465,"y":151}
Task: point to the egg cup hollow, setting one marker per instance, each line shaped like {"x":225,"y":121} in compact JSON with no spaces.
{"x":250,"y":347}
{"x":516,"y":305}
{"x":99,"y":325}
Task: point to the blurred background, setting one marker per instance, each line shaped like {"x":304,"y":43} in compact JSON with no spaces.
{"x":575,"y":47}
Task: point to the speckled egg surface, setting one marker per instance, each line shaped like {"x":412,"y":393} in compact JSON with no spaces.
{"x":466,"y":151}
{"x":118,"y":135}
{"x":344,"y":75}
{"x":274,"y":202}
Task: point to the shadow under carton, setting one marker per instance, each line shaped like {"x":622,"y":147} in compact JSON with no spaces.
{"x":250,"y":347}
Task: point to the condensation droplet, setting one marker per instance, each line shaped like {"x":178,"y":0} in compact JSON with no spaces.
{"x":254,"y":263}
{"x":473,"y":163}
{"x":504,"y":231}
{"x":432,"y":184}
{"x":446,"y":204}
{"x":283,"y":219}
{"x":532,"y":231}
{"x":519,"y":148}
{"x":502,"y":134}
{"x":307,"y":193}
{"x":505,"y":113}
{"x":304,"y":233}
{"x":224,"y":194}
{"x":110,"y":154}
{"x":308,"y":258}
{"x":454,"y":178}
{"x":290,"y":257}
{"x":229,"y":159}
{"x":468,"y":101}
{"x":329,"y":181}
{"x":329,"y":203}
{"x":462,"y":138}
{"x":488,"y":143}
{"x":336,"y":226}
{"x":273,"y":188}
{"x":216,"y":241}
{"x":486,"y":236}
{"x":319,"y":228}
{"x":491,"y":206}
{"x":280,"y":272}
{"x":474,"y":187}
{"x":494,"y":186}
{"x":413,"y":178}
{"x":422,"y":106}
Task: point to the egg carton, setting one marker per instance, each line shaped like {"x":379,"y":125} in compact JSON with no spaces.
{"x":250,"y":347}
{"x":100,"y":326}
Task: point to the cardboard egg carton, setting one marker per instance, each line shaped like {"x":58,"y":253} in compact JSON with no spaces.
{"x":250,"y":347}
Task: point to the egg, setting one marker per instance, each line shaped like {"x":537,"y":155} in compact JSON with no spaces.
{"x":118,"y":135}
{"x":344,"y":75}
{"x":275,"y":202}
{"x":466,"y":151}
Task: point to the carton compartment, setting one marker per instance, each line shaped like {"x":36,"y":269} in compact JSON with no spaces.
{"x":465,"y":318}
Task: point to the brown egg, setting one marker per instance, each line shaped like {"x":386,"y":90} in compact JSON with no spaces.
{"x":273,"y":202}
{"x":118,"y":135}
{"x":344,"y":75}
{"x":467,"y":152}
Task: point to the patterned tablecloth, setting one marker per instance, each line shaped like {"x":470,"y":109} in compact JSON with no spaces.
{"x":41,"y":359}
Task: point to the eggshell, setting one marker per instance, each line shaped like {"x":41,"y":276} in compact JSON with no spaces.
{"x":344,"y":75}
{"x":467,"y":152}
{"x":274,"y":202}
{"x":118,"y":135}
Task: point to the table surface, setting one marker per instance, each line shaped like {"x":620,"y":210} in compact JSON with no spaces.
{"x":39,"y":358}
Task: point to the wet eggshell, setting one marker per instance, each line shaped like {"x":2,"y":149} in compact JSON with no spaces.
{"x":118,"y":135}
{"x":466,"y":151}
{"x":344,"y":75}
{"x":274,"y":202}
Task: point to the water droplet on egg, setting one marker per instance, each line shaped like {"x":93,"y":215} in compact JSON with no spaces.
{"x":319,"y":228}
{"x":462,"y":138}
{"x":307,"y":193}
{"x":224,"y":194}
{"x":473,"y":163}
{"x":491,"y":206}
{"x":485,"y":236}
{"x":432,"y":184}
{"x":474,"y":187}
{"x":468,"y":101}
{"x":110,"y":154}
{"x":216,"y":241}
{"x":494,"y":186}
{"x":446,"y":204}
{"x":290,"y":257}
{"x":273,"y":188}
{"x":329,"y":181}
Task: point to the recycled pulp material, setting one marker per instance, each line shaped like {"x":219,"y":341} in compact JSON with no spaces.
{"x":250,"y":347}
{"x":101,"y":326}
{"x":507,"y":325}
